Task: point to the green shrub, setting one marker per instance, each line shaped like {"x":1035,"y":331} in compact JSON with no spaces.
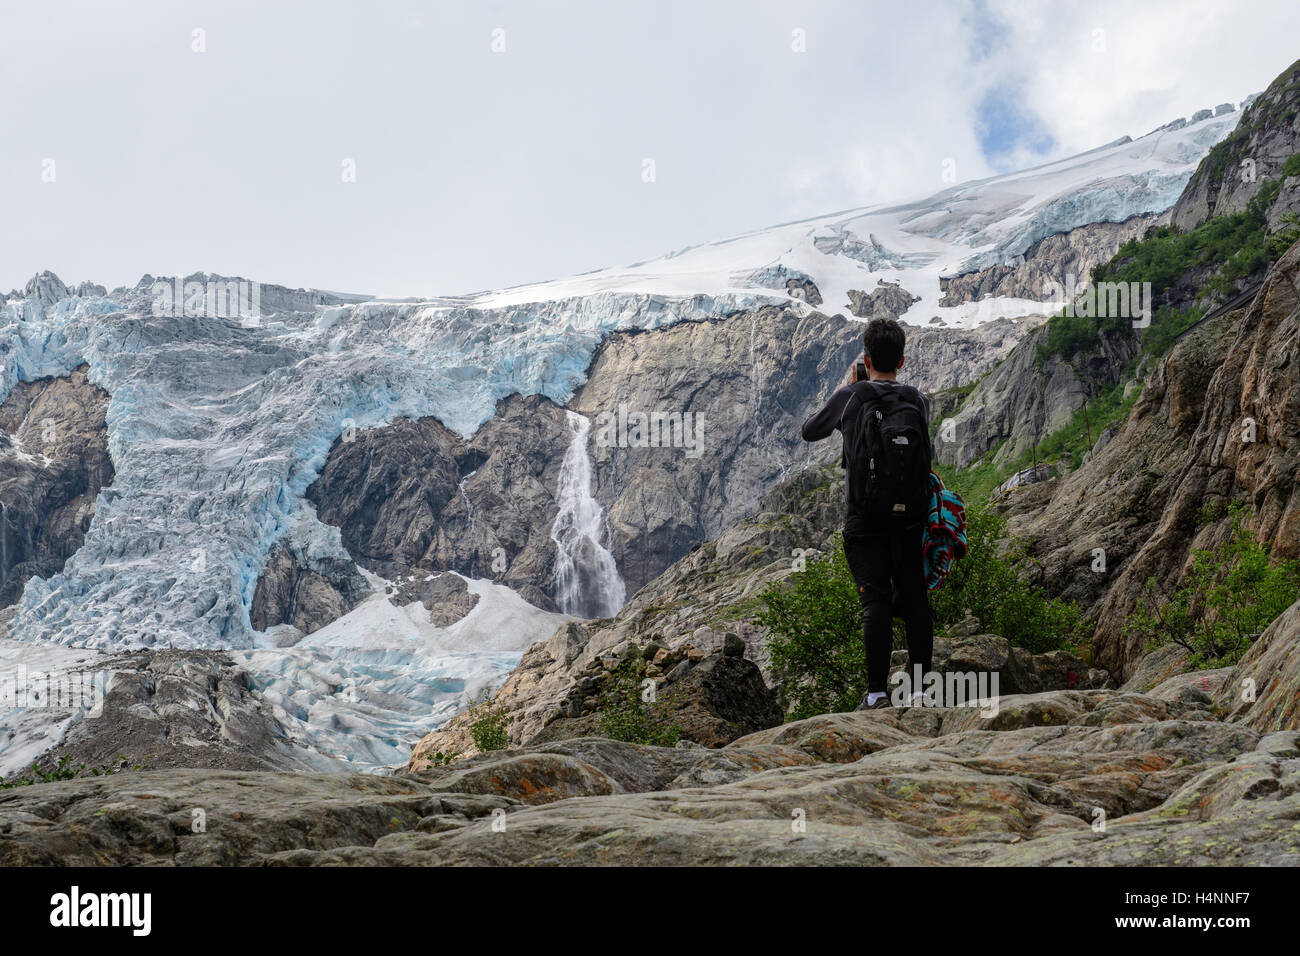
{"x":625,"y":714}
{"x":1166,"y":325}
{"x":992,"y":586}
{"x":1067,"y":335}
{"x":488,"y":726}
{"x":1232,"y":593}
{"x":815,"y":636}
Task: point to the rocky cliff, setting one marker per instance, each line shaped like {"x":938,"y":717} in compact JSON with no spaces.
{"x":53,"y":462}
{"x":1216,"y":422}
{"x":1047,"y":263}
{"x":414,"y":494}
{"x":1255,"y":152}
{"x":1027,"y":397}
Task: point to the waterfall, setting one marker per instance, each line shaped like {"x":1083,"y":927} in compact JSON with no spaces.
{"x":587,"y":582}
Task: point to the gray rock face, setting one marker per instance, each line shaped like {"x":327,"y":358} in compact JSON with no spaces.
{"x":307,"y":598}
{"x":166,"y":708}
{"x":53,"y":462}
{"x":1025,"y":398}
{"x":919,"y":786}
{"x":416,"y":497}
{"x":886,"y":301}
{"x":445,"y":596}
{"x":936,"y":359}
{"x":1235,"y":170}
{"x":750,"y":380}
{"x":1216,"y":422}
{"x":1048,"y":261}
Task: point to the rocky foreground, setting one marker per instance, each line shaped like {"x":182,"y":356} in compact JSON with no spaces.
{"x":1064,"y":777}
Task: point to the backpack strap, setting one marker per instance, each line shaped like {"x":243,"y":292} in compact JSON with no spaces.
{"x":860,"y":395}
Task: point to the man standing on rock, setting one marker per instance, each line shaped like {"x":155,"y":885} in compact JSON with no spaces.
{"x":887,"y":453}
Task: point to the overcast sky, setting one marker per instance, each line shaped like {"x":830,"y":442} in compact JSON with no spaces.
{"x":478,"y":167}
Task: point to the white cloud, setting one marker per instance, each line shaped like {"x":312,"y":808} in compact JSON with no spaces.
{"x":478,"y":169}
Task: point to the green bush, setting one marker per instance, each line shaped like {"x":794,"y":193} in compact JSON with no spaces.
{"x":1067,"y":335}
{"x":815,"y":622}
{"x":1232,"y":593}
{"x":1166,"y":325}
{"x":992,"y":586}
{"x":815,"y":636}
{"x":488,"y":725}
{"x":625,"y":714}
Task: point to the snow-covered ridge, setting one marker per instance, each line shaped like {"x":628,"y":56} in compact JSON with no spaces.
{"x":960,"y":229}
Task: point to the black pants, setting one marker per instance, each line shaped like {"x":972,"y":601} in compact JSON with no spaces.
{"x":888,"y":569}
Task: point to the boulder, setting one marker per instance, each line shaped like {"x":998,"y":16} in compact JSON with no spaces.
{"x":1263,"y":690}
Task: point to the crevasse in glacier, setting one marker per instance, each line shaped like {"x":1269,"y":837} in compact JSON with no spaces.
{"x":217,"y":429}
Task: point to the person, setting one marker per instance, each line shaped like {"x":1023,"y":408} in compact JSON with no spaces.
{"x":887,"y":455}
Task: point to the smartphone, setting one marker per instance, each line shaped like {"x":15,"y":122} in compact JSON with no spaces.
{"x":862,"y":371}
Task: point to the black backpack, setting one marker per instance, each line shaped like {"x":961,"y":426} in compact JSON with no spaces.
{"x":888,"y":449}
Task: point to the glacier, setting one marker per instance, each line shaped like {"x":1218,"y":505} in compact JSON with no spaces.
{"x":217,"y":425}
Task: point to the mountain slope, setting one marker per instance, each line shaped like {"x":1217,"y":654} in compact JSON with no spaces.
{"x":1217,"y":421}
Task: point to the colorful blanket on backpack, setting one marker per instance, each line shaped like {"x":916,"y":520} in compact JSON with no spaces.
{"x":945,"y":533}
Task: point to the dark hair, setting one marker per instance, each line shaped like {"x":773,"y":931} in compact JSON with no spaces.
{"x":883,"y":341}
